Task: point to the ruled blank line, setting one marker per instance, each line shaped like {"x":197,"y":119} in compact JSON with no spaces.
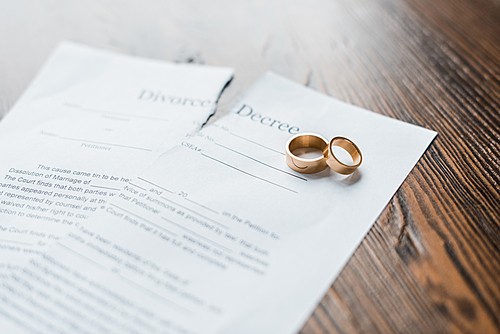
{"x":98,"y":142}
{"x":198,"y":235}
{"x":206,"y":207}
{"x":263,"y":163}
{"x":251,"y":141}
{"x":82,"y":256}
{"x":17,"y":242}
{"x":140,"y":178}
{"x":135,"y":185}
{"x":104,"y":187}
{"x":196,"y":212}
{"x":113,"y":113}
{"x":247,"y":173}
{"x":155,"y":294}
{"x":133,"y":214}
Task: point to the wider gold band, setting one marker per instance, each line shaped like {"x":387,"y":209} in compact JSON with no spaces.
{"x":302,"y":165}
{"x":351,"y":148}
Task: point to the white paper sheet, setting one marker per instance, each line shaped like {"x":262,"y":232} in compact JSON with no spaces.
{"x":219,"y":235}
{"x":90,"y":120}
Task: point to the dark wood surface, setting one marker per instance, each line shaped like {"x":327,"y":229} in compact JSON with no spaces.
{"x":431,"y":262}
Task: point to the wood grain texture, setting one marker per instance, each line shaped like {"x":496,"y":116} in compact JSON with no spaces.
{"x":431,"y":262}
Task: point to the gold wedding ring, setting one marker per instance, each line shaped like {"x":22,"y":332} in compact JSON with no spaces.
{"x":302,"y":165}
{"x":351,"y":148}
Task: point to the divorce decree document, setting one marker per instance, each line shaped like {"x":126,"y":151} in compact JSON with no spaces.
{"x":90,"y":121}
{"x":218,"y":235}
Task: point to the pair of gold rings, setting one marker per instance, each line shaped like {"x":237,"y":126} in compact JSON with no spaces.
{"x":328,"y":159}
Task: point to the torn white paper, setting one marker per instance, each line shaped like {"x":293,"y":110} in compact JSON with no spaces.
{"x":90,"y":121}
{"x":219,"y":235}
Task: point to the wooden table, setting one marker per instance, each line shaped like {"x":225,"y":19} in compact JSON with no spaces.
{"x":431,"y":262}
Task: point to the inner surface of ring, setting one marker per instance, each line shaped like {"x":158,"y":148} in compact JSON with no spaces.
{"x":309,"y":141}
{"x":350,"y":148}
